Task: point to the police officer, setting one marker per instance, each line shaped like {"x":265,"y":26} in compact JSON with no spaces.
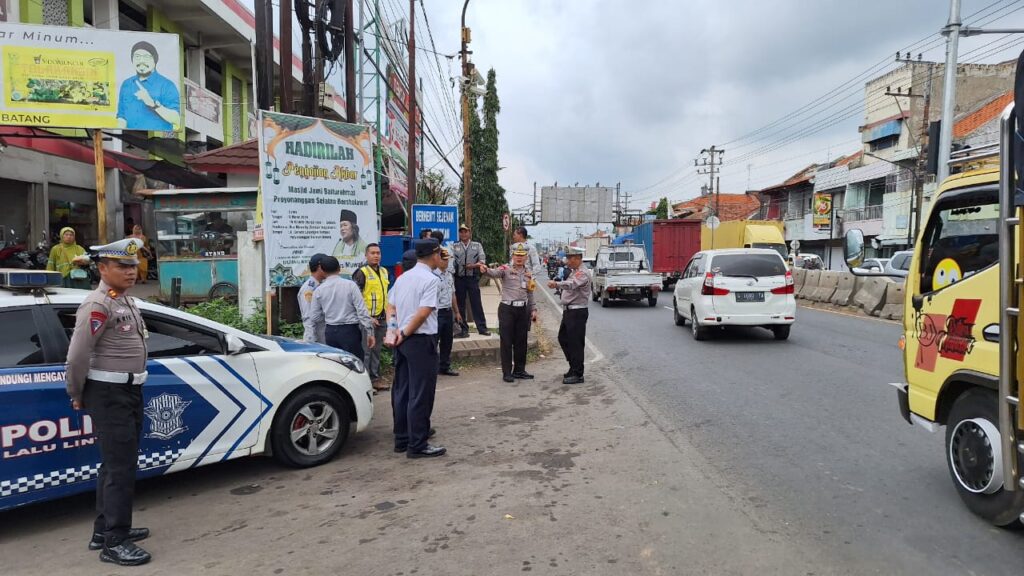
{"x":310,"y":333}
{"x":105,"y":373}
{"x":467,"y":256}
{"x":338,"y":303}
{"x":412,"y":330}
{"x":515,"y":312}
{"x":572,"y":333}
{"x":373,"y":280}
{"x":520,"y":236}
{"x":447,"y":315}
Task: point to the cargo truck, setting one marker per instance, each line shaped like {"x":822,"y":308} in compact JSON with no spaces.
{"x":745,"y":234}
{"x":669,"y":245}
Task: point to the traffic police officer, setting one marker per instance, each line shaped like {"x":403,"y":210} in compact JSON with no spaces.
{"x":572,"y":333}
{"x":338,"y":303}
{"x":412,"y":331}
{"x":515,"y":312}
{"x":105,"y":372}
{"x":310,"y":332}
{"x":447,"y":315}
{"x":374,"y":282}
{"x":467,"y":256}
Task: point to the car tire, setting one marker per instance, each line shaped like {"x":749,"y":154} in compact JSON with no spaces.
{"x":604,"y":299}
{"x":678,"y":318}
{"x":699,"y":332}
{"x":972,"y":448}
{"x":781,"y":332}
{"x":308,"y":411}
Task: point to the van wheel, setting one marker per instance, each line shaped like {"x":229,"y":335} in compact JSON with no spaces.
{"x":679,"y":319}
{"x":781,"y":332}
{"x":974,"y":458}
{"x":699,"y":332}
{"x":310,"y":428}
{"x":604,"y":299}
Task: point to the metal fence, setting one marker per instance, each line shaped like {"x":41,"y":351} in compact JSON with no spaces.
{"x":865,"y":213}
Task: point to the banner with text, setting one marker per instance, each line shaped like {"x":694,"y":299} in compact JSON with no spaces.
{"x":63,"y":77}
{"x":822,"y":210}
{"x":432,"y":217}
{"x":317,"y":194}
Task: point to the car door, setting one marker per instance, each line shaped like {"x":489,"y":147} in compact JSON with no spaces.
{"x":46,"y":448}
{"x":691,"y":282}
{"x":200,"y":405}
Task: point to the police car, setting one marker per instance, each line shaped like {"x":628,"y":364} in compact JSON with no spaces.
{"x":213,"y":393}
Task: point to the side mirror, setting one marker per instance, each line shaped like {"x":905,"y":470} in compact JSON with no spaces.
{"x":853,"y":248}
{"x":235,"y":344}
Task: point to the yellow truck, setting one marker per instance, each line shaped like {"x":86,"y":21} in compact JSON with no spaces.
{"x":961,"y":323}
{"x":744,"y":234}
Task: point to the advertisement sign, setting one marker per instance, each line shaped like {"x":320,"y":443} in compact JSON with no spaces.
{"x":202,"y":102}
{"x":317,"y":194}
{"x":431,"y":217}
{"x":822,"y":210}
{"x":56,"y":76}
{"x":397,"y":135}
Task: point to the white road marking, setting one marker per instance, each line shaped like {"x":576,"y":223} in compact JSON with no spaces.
{"x":598,"y":355}
{"x":667,"y":307}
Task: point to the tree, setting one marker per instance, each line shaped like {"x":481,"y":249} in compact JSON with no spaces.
{"x":434,"y":189}
{"x":661,"y":212}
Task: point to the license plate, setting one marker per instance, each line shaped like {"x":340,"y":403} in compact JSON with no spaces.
{"x":750,"y":296}
{"x":630,"y":290}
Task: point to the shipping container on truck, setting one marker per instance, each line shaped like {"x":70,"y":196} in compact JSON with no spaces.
{"x":745,"y":234}
{"x":669,"y":245}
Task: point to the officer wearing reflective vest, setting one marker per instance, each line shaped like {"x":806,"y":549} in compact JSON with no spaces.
{"x":105,"y":373}
{"x":515,"y":312}
{"x":373,"y":280}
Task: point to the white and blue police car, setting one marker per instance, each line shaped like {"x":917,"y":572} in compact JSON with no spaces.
{"x":214,"y":393}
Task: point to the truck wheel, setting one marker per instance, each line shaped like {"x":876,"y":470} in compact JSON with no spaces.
{"x":699,"y":332}
{"x":652,"y":301}
{"x":310,"y":428}
{"x":604,"y":299}
{"x":781,"y":332}
{"x":593,"y":295}
{"x":678,"y":318}
{"x":974,"y":458}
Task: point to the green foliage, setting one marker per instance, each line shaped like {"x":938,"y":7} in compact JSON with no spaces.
{"x":228,"y":314}
{"x":661,"y":212}
{"x":489,"y":202}
{"x":434,"y":189}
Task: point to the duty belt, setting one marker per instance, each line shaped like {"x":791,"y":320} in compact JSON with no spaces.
{"x":514,"y":303}
{"x":574,"y":306}
{"x":118,"y":377}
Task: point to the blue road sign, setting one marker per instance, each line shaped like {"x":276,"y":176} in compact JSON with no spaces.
{"x":431,"y":217}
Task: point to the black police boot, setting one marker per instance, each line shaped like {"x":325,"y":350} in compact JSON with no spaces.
{"x":429,"y":452}
{"x":574,"y":379}
{"x":125,"y":554}
{"x":135,"y":534}
{"x":522,"y":375}
{"x":508,"y":378}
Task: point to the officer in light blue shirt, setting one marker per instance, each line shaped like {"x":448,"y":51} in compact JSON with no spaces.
{"x":338,"y":303}
{"x":148,"y":100}
{"x":310,"y":331}
{"x":412,"y":315}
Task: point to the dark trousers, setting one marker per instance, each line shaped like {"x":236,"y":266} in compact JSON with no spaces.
{"x":467,"y":288}
{"x":412,"y":394}
{"x":347,"y":337}
{"x":513,"y":326}
{"x":445,"y":334}
{"x":572,"y":334}
{"x":116,"y":412}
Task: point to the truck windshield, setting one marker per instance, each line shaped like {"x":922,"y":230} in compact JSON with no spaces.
{"x":961,"y":239}
{"x":748,"y":265}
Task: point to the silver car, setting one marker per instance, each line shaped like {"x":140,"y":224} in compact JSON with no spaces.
{"x":899,"y":264}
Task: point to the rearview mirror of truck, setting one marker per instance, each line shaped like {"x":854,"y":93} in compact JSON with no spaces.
{"x":853,"y":248}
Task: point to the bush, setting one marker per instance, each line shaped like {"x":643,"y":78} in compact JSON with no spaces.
{"x":227,"y":313}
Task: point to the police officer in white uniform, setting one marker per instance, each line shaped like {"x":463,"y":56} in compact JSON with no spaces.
{"x":310,"y":332}
{"x":338,"y":304}
{"x":105,"y":373}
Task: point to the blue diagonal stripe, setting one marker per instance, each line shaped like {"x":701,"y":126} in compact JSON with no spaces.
{"x":241,"y":410}
{"x":267,"y":405}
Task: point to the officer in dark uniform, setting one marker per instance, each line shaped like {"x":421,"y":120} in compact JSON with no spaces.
{"x":572,"y":334}
{"x":105,"y":373}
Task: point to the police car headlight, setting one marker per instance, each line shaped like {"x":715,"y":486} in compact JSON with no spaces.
{"x":347,"y":360}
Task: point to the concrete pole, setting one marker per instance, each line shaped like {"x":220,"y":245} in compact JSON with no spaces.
{"x":952,"y":32}
{"x":467,"y":157}
{"x":351,"y":114}
{"x":413,"y":115}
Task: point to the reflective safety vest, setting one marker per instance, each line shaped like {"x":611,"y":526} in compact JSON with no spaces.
{"x":375,"y":292}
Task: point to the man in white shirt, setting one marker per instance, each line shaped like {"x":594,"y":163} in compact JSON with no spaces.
{"x":338,"y":304}
{"x":316,"y":276}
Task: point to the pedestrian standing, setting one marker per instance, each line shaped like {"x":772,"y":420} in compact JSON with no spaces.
{"x":338,"y":303}
{"x":412,"y":330}
{"x":310,"y":332}
{"x":572,"y":333}
{"x":106,"y":369}
{"x":468,"y":255}
{"x":447,"y":315}
{"x":515,"y":313}
{"x":374,"y":282}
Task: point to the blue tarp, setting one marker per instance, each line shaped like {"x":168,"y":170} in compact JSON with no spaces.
{"x":890,"y":128}
{"x":625,"y":238}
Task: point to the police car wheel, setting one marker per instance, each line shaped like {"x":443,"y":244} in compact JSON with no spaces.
{"x":310,"y":428}
{"x":973,"y":455}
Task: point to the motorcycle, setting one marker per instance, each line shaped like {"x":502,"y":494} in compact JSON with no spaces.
{"x":13,"y":254}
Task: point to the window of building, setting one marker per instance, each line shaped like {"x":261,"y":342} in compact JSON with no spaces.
{"x":885,"y":143}
{"x":214,"y":77}
{"x":131,"y":18}
{"x":19,"y":340}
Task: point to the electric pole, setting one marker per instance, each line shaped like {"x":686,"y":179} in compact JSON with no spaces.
{"x":467,"y":158}
{"x":709,"y":160}
{"x":922,"y":140}
{"x":351,"y":113}
{"x":952,"y":33}
{"x":413,"y":116}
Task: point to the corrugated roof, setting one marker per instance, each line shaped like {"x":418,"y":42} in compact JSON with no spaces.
{"x":243,"y":157}
{"x":983,"y":115}
{"x":730,"y":206}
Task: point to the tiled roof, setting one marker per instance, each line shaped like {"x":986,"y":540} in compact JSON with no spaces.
{"x":731,"y":207}
{"x":243,"y":157}
{"x":983,"y":115}
{"x":850,"y":159}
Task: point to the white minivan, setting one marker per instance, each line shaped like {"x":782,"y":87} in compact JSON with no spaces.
{"x":738,"y":287}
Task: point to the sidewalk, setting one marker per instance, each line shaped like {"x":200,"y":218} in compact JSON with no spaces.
{"x":477,"y":345}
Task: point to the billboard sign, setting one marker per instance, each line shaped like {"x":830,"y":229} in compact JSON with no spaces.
{"x":317,"y":194}
{"x":592,"y":204}
{"x":397,"y":135}
{"x":822,"y":210}
{"x":62,"y":77}
{"x":433,"y":217}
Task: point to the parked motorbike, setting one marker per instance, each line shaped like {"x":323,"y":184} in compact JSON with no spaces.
{"x":13,"y":254}
{"x":41,"y":255}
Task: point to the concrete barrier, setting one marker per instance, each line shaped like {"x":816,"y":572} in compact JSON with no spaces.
{"x":810,"y":284}
{"x":843,"y":295}
{"x":826,"y":286}
{"x":893,"y":307}
{"x":871,"y":296}
{"x":799,"y":275}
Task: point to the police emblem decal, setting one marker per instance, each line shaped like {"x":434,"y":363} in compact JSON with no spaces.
{"x":164,"y":413}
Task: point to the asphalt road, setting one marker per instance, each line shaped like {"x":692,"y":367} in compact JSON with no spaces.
{"x":807,"y":435}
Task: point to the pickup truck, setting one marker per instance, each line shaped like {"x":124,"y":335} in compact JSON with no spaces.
{"x":622,"y":272}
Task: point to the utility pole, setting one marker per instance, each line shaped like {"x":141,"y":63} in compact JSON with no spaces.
{"x":709,"y":159}
{"x":413,"y":114}
{"x":467,"y":157}
{"x":351,"y":113}
{"x":952,"y":33}
{"x":285,"y":97}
